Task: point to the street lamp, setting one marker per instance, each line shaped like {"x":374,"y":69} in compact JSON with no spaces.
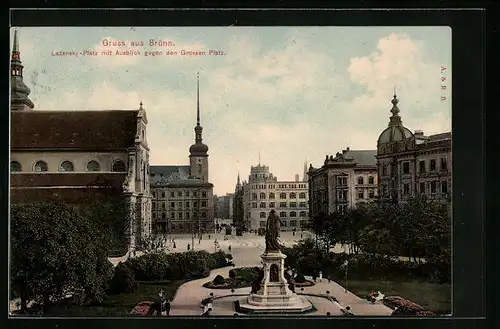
{"x":346,"y":263}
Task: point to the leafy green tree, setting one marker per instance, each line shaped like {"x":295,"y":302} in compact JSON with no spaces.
{"x":56,"y":251}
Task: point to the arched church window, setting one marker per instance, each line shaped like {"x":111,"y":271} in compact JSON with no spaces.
{"x":41,"y":166}
{"x":15,"y":166}
{"x":118,"y":166}
{"x":93,"y":166}
{"x":66,"y":166}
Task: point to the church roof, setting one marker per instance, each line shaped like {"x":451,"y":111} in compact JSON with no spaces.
{"x":161,"y":175}
{"x":99,"y":130}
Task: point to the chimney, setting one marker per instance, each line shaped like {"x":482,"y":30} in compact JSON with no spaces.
{"x":296,"y":177}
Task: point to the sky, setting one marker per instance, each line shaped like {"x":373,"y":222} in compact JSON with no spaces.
{"x":286,"y":95}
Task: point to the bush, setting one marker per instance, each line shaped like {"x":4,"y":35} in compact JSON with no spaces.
{"x":232,"y":274}
{"x":299,"y":278}
{"x":123,"y":280}
{"x":219,"y":280}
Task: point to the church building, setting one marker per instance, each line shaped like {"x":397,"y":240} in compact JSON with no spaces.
{"x":183,"y":199}
{"x":77,"y":156}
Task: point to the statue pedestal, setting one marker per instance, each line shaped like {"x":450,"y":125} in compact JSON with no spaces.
{"x":274,"y":295}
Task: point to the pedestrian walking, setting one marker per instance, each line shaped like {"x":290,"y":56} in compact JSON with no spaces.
{"x":209,"y":237}
{"x":189,"y":247}
{"x":167,"y":307}
{"x":229,"y":248}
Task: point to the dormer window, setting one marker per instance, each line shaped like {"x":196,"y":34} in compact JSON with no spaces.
{"x":93,"y":166}
{"x":15,"y":166}
{"x":41,"y":166}
{"x":66,"y":166}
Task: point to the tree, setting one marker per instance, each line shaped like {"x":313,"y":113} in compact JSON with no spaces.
{"x":56,"y":251}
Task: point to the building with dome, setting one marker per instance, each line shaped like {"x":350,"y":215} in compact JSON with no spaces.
{"x":78,"y":156}
{"x":263,"y":192}
{"x":182,"y":194}
{"x":344,"y":180}
{"x":412,"y":164}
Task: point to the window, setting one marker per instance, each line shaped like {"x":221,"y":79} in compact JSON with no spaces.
{"x":187,"y":204}
{"x":187,"y":215}
{"x":262,"y":215}
{"x":180,"y":204}
{"x":271,"y":196}
{"x":15,"y":166}
{"x":254,"y":204}
{"x":172,"y":215}
{"x":262,"y":223}
{"x":271,"y":205}
{"x":262,"y":196}
{"x":361,"y":194}
{"x":342,"y":208}
{"x":444,"y":187}
{"x":204,"y":194}
{"x":179,"y":194}
{"x":341,"y":181}
{"x":293,"y":223}
{"x":406,"y":188}
{"x":282,"y":195}
{"x":262,"y":205}
{"x":371,"y":180}
{"x":444,"y":164}
{"x":293,"y":204}
{"x":371,"y":194}
{"x":302,"y":214}
{"x":163,"y":205}
{"x":406,"y":167}
{"x":172,"y":204}
{"x":66,"y":166}
{"x":293,"y":195}
{"x":282,"y":214}
{"x":203,"y":203}
{"x":293,"y":214}
{"x":154,"y":194}
{"x":203,"y":215}
{"x":422,"y":187}
{"x":254,"y":196}
{"x":172,"y":194}
{"x":118,"y":166}
{"x":360,"y":180}
{"x":302,"y":204}
{"x":302,"y":195}
{"x":154,"y":205}
{"x":384,"y":170}
{"x":303,"y":223}
{"x":195,"y":193}
{"x":342,"y":195}
{"x":433,"y":164}
{"x":41,"y":166}
{"x":162,"y":194}
{"x":180,"y":215}
{"x":93,"y":166}
{"x":282,"y":204}
{"x":187,"y":194}
{"x":421,"y":166}
{"x":195,"y":204}
{"x":433,"y":187}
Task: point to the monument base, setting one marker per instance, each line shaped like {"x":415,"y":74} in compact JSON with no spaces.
{"x":274,"y":296}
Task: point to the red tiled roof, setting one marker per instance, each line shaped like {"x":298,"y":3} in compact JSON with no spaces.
{"x":73,"y":129}
{"x":112,"y":180}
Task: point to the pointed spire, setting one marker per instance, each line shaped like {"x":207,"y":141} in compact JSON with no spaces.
{"x":15,"y":47}
{"x":304,"y":177}
{"x":198,"y":98}
{"x":19,"y":92}
{"x":395,"y":119}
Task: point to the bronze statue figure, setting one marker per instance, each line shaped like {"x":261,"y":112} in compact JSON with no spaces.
{"x":273,"y":233}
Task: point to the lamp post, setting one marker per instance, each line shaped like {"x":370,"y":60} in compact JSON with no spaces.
{"x":346,"y":263}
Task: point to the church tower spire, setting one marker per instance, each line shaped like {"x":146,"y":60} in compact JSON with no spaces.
{"x":198,"y":155}
{"x":395,"y":119}
{"x":19,"y":92}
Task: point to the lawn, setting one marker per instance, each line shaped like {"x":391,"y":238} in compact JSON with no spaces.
{"x":432,"y":296}
{"x":119,"y":305}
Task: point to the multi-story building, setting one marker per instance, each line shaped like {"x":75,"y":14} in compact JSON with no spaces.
{"x":263,"y":193}
{"x":78,"y":156}
{"x":238,"y":211}
{"x":225,"y":206}
{"x":343,"y":181}
{"x":410,"y":164}
{"x":183,"y":199}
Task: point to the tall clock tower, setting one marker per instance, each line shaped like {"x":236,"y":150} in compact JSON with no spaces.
{"x":198,"y":157}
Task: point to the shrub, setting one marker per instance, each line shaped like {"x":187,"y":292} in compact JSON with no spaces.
{"x":219,"y":279}
{"x":299,"y":278}
{"x":232,"y":274}
{"x":123,"y":280}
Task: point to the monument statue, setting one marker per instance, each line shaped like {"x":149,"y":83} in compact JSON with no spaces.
{"x":273,"y":233}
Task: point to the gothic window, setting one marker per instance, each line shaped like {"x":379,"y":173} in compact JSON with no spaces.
{"x":15,"y":166}
{"x":282,"y":195}
{"x":262,"y":195}
{"x":262,"y":215}
{"x":360,"y":180}
{"x":282,"y":214}
{"x":302,"y":195}
{"x":271,"y":196}
{"x":118,"y":166}
{"x":93,"y":166}
{"x":371,"y":180}
{"x":41,"y":166}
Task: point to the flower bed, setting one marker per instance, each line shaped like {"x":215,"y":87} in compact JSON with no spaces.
{"x":403,"y":306}
{"x":142,"y":309}
{"x":303,"y":284}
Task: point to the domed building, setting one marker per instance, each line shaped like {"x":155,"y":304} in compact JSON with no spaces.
{"x":412,"y":163}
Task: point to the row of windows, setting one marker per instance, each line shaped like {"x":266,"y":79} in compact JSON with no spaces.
{"x":40,"y":166}
{"x":180,"y":204}
{"x":284,"y":214}
{"x":361,"y":194}
{"x":291,"y":223}
{"x":179,"y":194}
{"x":361,"y":180}
{"x":427,"y":187}
{"x":281,"y":205}
{"x":293,"y":195}
{"x":178,"y":215}
{"x":273,"y":186}
{"x":422,"y":166}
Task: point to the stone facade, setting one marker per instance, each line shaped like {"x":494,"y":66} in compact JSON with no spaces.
{"x":263,"y":192}
{"x":413,"y":164}
{"x":343,"y":181}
